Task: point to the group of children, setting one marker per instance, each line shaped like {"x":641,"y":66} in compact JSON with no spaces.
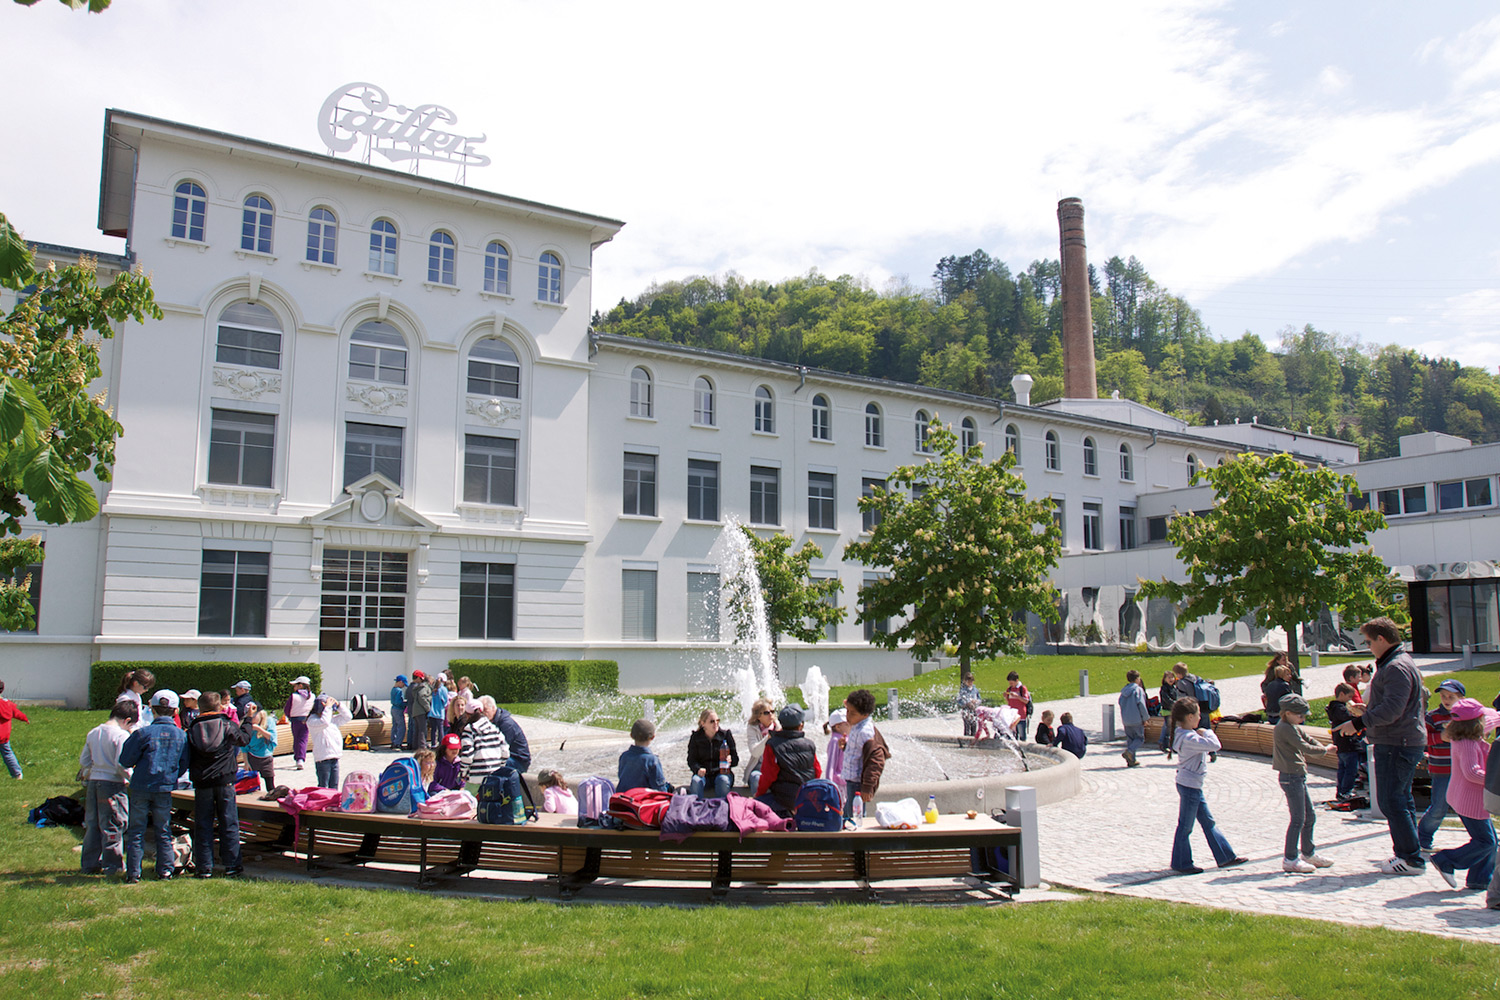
{"x":426,"y":709}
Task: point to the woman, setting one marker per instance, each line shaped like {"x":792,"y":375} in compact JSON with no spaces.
{"x":757,"y":731}
{"x":1278,"y":687}
{"x":1282,"y":660}
{"x":712,"y":757}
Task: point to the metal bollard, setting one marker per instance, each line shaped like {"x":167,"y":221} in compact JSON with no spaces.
{"x":648,"y":710}
{"x":1314,"y":654}
{"x":1109,"y":722}
{"x":1020,"y":811}
{"x":1468,"y":656}
{"x":1374,"y":810}
{"x":1083,"y":683}
{"x":893,"y":703}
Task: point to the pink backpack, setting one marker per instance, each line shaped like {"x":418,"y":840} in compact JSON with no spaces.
{"x":458,"y":804}
{"x":358,"y":793}
{"x":303,"y":799}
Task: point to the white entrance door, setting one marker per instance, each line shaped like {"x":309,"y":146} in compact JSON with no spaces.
{"x":362,"y":631}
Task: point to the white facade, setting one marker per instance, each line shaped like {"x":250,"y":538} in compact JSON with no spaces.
{"x":346,"y":408}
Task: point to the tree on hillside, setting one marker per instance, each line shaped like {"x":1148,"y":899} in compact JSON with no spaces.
{"x":1280,"y":543}
{"x":797,"y":603}
{"x":963,"y":548}
{"x":52,"y":429}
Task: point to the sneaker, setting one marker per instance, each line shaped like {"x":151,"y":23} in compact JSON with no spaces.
{"x":233,"y":872}
{"x":1396,"y":866}
{"x":1235,"y":862}
{"x":1191,"y":870}
{"x":203,"y":874}
{"x":1296,"y":865}
{"x":1447,"y":876}
{"x":1317,"y":861}
{"x":165,"y":876}
{"x":298,"y":767}
{"x":132,"y":880}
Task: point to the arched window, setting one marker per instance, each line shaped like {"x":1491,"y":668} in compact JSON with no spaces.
{"x":497,"y":268}
{"x":640,"y":393}
{"x":322,"y":236}
{"x":922,"y":430}
{"x":549,"y":278}
{"x":874,"y":430}
{"x":765,"y":410}
{"x":1054,"y":452}
{"x":494,"y":369}
{"x":189,"y":206}
{"x":1090,"y":458}
{"x":968,"y":433}
{"x":250,"y":335}
{"x":822,"y":418}
{"x":258,"y":222}
{"x":1192,"y":464}
{"x":703,"y":401}
{"x":383,"y":247}
{"x":377,"y":353}
{"x":442,"y":259}
{"x":1127,"y":464}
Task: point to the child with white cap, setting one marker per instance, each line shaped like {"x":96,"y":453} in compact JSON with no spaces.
{"x":298,"y":704}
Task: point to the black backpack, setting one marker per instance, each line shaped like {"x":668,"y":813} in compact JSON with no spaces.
{"x":60,"y":810}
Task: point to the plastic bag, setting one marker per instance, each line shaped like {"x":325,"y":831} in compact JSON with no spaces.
{"x":904,"y":814}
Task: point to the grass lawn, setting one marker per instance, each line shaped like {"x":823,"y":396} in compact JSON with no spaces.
{"x":63,"y":935}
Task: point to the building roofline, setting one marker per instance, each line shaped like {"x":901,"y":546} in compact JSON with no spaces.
{"x":114,"y":117}
{"x":120,"y":262}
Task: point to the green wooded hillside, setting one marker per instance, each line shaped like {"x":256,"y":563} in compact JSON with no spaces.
{"x":980,"y":324}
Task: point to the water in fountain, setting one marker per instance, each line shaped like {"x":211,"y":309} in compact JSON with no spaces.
{"x":750,"y":653}
{"x":815,"y":694}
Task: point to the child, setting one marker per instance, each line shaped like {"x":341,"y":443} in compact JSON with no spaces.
{"x":9,"y":711}
{"x":227,"y":706}
{"x":556,"y":796}
{"x":1192,"y":746}
{"x":106,"y":805}
{"x":1166,"y":696}
{"x":639,"y":767}
{"x":398,"y":713}
{"x":1070,"y":737}
{"x":259,"y":754}
{"x":483,"y":749}
{"x":1133,"y":711}
{"x":155,"y":753}
{"x":790,"y":761}
{"x":296,"y":710}
{"x":1347,"y":741}
{"x":1289,"y":758}
{"x":134,"y":684}
{"x":1018,"y":698}
{"x":214,"y":741}
{"x":328,"y":743}
{"x":1438,"y":761}
{"x":865,"y":750}
{"x":447,"y":772}
{"x":1465,"y":733}
{"x":838,"y":726}
{"x":187,"y":707}
{"x":418,"y":702}
{"x":437,"y":712}
{"x":1045,"y":735}
{"x":968,"y":701}
{"x":426,"y":766}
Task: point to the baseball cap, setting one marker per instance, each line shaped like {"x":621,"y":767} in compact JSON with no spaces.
{"x":1466,"y":708}
{"x":401,"y":678}
{"x":168,"y":699}
{"x":242,"y":684}
{"x":452,"y":740}
{"x":302,"y":680}
{"x":193,"y":693}
{"x":836,"y":716}
{"x":789,"y":717}
{"x":417,"y":675}
{"x":1457,"y":687}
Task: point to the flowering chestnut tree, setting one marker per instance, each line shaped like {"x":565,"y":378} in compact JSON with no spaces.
{"x":962,"y":552}
{"x":1281,"y":543}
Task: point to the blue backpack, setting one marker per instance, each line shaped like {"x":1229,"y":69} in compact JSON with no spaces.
{"x":1207,"y":694}
{"x":400,"y":788}
{"x":500,"y":798}
{"x":818,"y":807}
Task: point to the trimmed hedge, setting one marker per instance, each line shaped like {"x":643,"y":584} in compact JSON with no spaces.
{"x":272,"y":681}
{"x":509,"y":681}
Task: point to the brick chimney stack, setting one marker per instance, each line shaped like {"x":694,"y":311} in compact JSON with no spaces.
{"x":1078,"y":317}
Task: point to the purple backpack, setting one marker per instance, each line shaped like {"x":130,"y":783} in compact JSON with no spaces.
{"x":593,"y":800}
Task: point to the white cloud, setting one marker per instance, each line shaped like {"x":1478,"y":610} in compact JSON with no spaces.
{"x":1334,"y":80}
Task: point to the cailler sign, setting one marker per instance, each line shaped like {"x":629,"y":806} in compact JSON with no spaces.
{"x":397,"y":132}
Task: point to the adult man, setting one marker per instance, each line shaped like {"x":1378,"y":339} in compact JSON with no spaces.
{"x":515,"y":738}
{"x":1393,"y":711}
{"x":240,"y":697}
{"x":1133,"y":712}
{"x":213,"y":743}
{"x":418,"y":704}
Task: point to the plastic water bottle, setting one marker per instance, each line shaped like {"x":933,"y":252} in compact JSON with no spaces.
{"x":859,"y":809}
{"x":932,"y":813}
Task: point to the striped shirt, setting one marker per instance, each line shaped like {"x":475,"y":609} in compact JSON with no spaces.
{"x":482,"y":748}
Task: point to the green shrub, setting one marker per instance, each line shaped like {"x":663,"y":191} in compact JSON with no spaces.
{"x":509,"y":681}
{"x":271,"y":681}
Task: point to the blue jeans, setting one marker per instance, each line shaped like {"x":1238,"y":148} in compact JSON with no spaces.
{"x":1191,"y":808}
{"x":1348,"y":771}
{"x":1299,"y":806}
{"x":1135,"y":736}
{"x":1477,"y":856}
{"x":398,"y":728}
{"x":157,"y":808}
{"x":699,"y":785}
{"x":1020,"y":730}
{"x":215,"y":805}
{"x":9,"y":756}
{"x":1428,"y":825}
{"x":106,"y":809}
{"x":1394,"y":769}
{"x":328,"y":772}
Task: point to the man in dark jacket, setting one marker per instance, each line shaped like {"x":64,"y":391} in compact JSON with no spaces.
{"x":790,"y":761}
{"x":213,"y":744}
{"x":240,"y":697}
{"x":418,"y":704}
{"x":515,"y":738}
{"x":1393,"y":714}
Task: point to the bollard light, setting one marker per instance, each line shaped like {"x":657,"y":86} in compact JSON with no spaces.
{"x":1083,"y":683}
{"x":893,"y":703}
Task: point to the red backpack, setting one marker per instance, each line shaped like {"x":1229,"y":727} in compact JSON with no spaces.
{"x":640,"y":808}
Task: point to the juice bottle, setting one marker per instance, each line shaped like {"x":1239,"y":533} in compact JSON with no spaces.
{"x":932,"y":813}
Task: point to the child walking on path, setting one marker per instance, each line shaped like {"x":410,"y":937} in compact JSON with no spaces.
{"x":1289,"y":758}
{"x":1466,"y":795}
{"x":1192,"y":746}
{"x":1439,"y":766}
{"x":9,"y":711}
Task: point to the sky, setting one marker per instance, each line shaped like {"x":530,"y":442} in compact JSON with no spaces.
{"x":1276,"y":163}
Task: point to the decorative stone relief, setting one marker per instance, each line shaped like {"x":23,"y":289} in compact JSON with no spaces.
{"x":504,"y":517}
{"x":241,"y":497}
{"x":493,"y":411}
{"x":246,"y":383}
{"x":376,"y":398}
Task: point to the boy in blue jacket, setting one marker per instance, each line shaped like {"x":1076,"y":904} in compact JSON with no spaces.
{"x":156,"y":754}
{"x":398,"y":713}
{"x":639,"y":767}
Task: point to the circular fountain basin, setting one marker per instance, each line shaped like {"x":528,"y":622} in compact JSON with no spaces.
{"x":955,"y":769}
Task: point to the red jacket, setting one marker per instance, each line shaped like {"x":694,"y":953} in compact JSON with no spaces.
{"x":8,"y":711}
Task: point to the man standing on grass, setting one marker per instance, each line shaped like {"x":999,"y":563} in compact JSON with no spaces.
{"x":1394,"y":726}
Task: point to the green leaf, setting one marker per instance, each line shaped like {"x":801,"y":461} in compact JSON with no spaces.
{"x":57,"y":492}
{"x":19,"y":405}
{"x":15,"y":256}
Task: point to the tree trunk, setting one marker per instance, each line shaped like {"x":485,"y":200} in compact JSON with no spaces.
{"x":1291,"y":648}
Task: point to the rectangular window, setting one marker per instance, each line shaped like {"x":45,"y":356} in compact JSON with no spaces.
{"x":1468,"y":493}
{"x":765,"y":495}
{"x":1156,"y":529}
{"x":371,"y":448}
{"x":831,"y":630}
{"x":1127,"y":527}
{"x":821,"y":512}
{"x":233,"y":592}
{"x":1414,"y":500}
{"x":702,"y":490}
{"x":638,"y":604}
{"x":870,"y":518}
{"x":1093,"y":526}
{"x":1058,"y":506}
{"x":1358,"y":501}
{"x":1388,"y":501}
{"x":640,"y":484}
{"x":364,"y":601}
{"x":486,"y":600}
{"x":873,"y":626}
{"x":253,"y":348}
{"x":30,"y":578}
{"x":241,"y":448}
{"x":489,"y":469}
{"x":703,"y":607}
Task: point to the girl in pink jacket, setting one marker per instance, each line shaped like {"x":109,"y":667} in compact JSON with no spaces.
{"x":1465,"y":731}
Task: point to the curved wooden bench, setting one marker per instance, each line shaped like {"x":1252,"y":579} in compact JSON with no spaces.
{"x":1258,"y":738}
{"x":378,"y":730}
{"x":571,"y":857}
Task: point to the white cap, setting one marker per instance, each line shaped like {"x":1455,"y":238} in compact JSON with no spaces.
{"x":165,"y":699}
{"x":192,"y":693}
{"x":836,"y":716}
{"x":302,"y":680}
